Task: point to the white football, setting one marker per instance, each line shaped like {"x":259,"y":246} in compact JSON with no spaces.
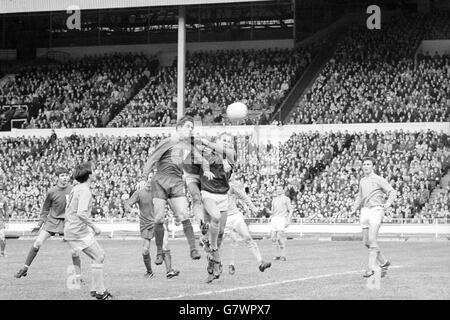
{"x":237,"y":111}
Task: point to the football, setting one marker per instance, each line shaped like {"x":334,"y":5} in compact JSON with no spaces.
{"x":237,"y":111}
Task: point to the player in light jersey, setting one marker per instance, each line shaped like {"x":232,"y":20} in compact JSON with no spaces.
{"x":371,"y":200}
{"x":51,"y":221}
{"x":215,"y":197}
{"x":168,"y":181}
{"x":4,"y":218}
{"x":80,"y":231}
{"x":236,"y":228}
{"x":281,"y":218}
{"x":144,"y":199}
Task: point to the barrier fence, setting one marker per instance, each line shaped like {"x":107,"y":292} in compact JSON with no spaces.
{"x":436,"y":227}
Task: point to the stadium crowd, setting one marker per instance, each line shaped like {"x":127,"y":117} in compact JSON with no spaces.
{"x":80,"y":93}
{"x":215,"y":79}
{"x":320,"y":172}
{"x":374,"y":77}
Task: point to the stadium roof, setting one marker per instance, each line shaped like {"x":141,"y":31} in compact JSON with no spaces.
{"x":17,"y":6}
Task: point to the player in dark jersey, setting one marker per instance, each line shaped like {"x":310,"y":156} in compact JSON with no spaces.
{"x":144,"y":199}
{"x":52,"y":221}
{"x":191,"y":175}
{"x":168,"y":184}
{"x":4,"y":218}
{"x":215,"y":197}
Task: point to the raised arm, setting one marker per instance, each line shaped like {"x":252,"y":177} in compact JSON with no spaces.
{"x":228,"y":153}
{"x":239,"y":191}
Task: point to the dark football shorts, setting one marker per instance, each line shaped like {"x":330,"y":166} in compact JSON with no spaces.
{"x":54,"y":226}
{"x":148,"y":233}
{"x":167,"y":187}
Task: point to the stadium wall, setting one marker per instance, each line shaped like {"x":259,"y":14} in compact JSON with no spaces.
{"x":168,"y":51}
{"x":264,"y":228}
{"x":276,"y":134}
{"x":432,"y":46}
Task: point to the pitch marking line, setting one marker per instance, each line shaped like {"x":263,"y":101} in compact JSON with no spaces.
{"x":275,"y":283}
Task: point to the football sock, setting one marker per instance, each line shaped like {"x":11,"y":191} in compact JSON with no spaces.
{"x":2,"y":246}
{"x":277,"y":249}
{"x":373,"y":252}
{"x":232,"y":252}
{"x":97,"y":275}
{"x":159,"y":236}
{"x":282,"y":247}
{"x":77,"y":264}
{"x":31,"y":255}
{"x":147,"y":262}
{"x":219,"y":240}
{"x":189,"y":233}
{"x":167,"y":260}
{"x":254,"y":249}
{"x":381,"y":258}
{"x":213,"y":234}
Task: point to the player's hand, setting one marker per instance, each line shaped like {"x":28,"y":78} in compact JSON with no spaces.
{"x":96,"y":230}
{"x":140,"y":185}
{"x":385,"y":206}
{"x":209,"y":175}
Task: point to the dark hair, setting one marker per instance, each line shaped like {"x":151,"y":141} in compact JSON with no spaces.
{"x":183,"y":120}
{"x":61,"y":170}
{"x":367,"y":158}
{"x":82,"y":172}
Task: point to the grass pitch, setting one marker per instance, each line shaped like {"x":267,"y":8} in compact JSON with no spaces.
{"x":313,"y":270}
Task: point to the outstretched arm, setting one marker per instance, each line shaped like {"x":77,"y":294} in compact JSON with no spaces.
{"x":239,"y":191}
{"x":228,"y":153}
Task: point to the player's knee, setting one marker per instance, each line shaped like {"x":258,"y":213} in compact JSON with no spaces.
{"x":145,"y":251}
{"x":159,"y":219}
{"x":38,"y":244}
{"x":100,"y":258}
{"x":75,"y":253}
{"x":197,"y":198}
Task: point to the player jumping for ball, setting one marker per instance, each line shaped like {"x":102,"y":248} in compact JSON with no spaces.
{"x":4,"y":218}
{"x":236,"y":227}
{"x":215,"y":197}
{"x":80,"y":231}
{"x":52,"y":221}
{"x":144,"y":199}
{"x":168,"y":184}
{"x":281,"y":218}
{"x":370,"y":198}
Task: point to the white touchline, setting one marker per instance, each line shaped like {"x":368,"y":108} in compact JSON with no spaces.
{"x":263,"y":284}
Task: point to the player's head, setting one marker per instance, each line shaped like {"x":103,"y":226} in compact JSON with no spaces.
{"x":368,"y":164}
{"x":148,"y":184}
{"x":83,"y":172}
{"x":226,"y":139}
{"x":185,"y":126}
{"x":279,"y":190}
{"x":63,"y":176}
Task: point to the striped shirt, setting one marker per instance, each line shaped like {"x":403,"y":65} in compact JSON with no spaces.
{"x":237,"y":192}
{"x":372,"y":191}
{"x":78,"y":211}
{"x":281,"y":206}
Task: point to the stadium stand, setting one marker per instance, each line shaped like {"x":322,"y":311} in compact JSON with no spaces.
{"x":319,"y":171}
{"x":374,"y":77}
